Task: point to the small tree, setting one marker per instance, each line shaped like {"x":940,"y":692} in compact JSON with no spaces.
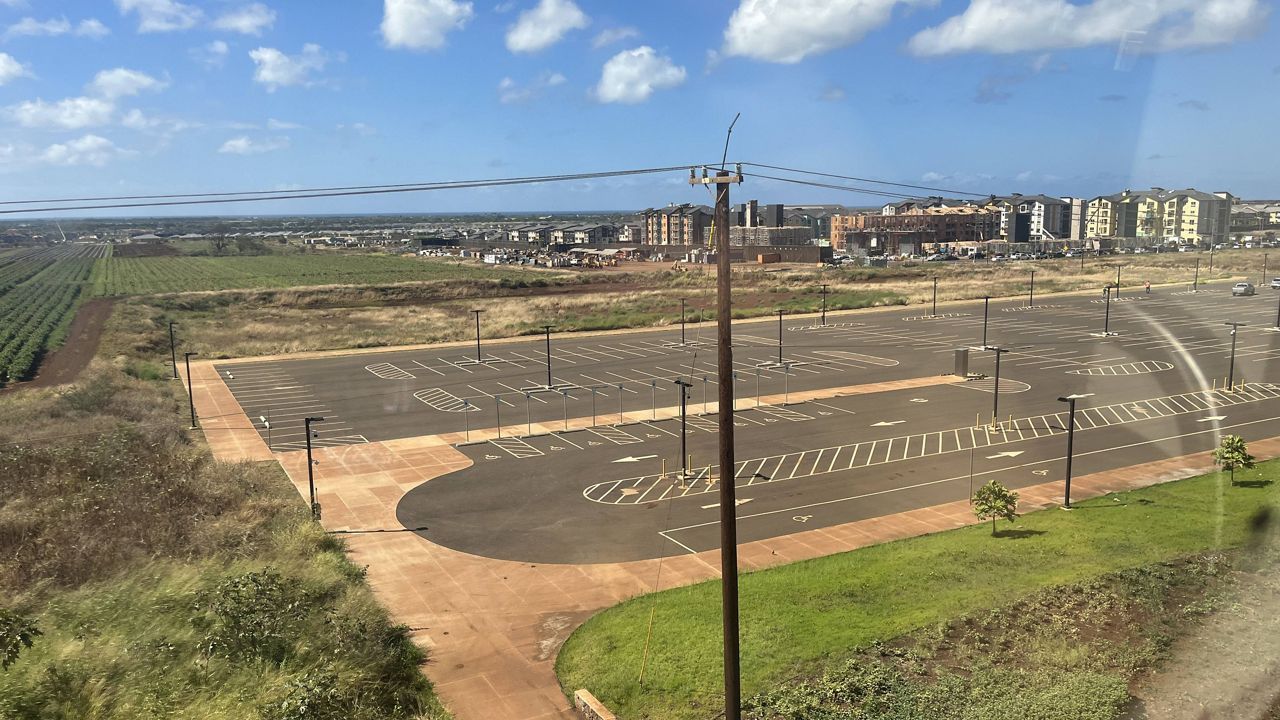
{"x":1233,"y":453}
{"x":995,"y":501}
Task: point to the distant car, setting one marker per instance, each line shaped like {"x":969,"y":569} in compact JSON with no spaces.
{"x":1242,"y":289}
{"x":1275,"y":283}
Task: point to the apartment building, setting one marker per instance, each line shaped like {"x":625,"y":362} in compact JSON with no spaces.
{"x":1033,"y":218}
{"x":1160,"y":216}
{"x":676,"y":224}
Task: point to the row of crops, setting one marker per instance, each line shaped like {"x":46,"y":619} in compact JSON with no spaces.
{"x":40,"y":290}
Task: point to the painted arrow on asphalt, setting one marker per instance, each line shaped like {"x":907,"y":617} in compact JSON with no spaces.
{"x":1006,"y":453}
{"x":1211,"y":418}
{"x":887,"y":424}
{"x":736,"y":503}
{"x":635,"y":458}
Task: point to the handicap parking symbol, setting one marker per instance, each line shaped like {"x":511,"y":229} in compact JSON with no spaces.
{"x":492,"y":457}
{"x":802,"y":518}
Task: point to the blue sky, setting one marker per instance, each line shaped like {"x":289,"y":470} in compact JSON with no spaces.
{"x":1056,"y":96}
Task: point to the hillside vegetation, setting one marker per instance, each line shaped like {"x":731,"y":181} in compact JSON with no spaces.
{"x":146,"y":579}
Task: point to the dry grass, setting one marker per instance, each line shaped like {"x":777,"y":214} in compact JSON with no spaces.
{"x":247,"y":323}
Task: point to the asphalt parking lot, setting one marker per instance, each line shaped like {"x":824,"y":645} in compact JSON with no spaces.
{"x":600,"y":494}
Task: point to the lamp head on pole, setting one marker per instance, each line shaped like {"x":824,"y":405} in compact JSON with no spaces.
{"x":1075,"y":396}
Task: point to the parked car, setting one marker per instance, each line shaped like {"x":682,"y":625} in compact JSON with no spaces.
{"x":1242,"y":289}
{"x":1275,"y":283}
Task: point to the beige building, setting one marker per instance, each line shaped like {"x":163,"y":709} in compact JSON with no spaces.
{"x":1160,"y":216}
{"x":676,"y":224}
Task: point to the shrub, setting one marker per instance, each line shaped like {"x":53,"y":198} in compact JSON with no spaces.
{"x":16,"y":632}
{"x":248,"y":616}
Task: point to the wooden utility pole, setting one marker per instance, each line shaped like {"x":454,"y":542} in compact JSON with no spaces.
{"x":728,"y":504}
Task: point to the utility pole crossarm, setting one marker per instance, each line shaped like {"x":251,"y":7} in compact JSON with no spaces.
{"x":705,"y":179}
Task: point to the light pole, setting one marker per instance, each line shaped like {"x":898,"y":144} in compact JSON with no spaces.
{"x":173,"y":351}
{"x":1195,"y":281}
{"x":824,"y":304}
{"x":1031,"y":299}
{"x":779,"y":337}
{"x":935,"y":296}
{"x":191,"y":398}
{"x":1231,"y":371}
{"x":1117,"y":280}
{"x":1071,"y":436}
{"x":995,"y":391}
{"x":1263,"y":281}
{"x":1278,"y":312}
{"x":311,"y":478}
{"x":986,"y":307}
{"x":547,"y":329}
{"x":1106,"y":320}
{"x":477,"y":314}
{"x":681,"y":322}
{"x":684,"y":456}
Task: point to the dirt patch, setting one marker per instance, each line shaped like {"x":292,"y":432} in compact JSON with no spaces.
{"x":64,"y":364}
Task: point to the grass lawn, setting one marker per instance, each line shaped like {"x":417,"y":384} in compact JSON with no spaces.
{"x":798,"y":618}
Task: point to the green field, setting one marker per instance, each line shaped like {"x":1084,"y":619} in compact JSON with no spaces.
{"x":40,"y":290}
{"x":149,"y":275}
{"x":801,"y":618}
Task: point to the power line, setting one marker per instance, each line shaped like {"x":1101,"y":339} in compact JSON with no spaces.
{"x":831,"y":186}
{"x":112,"y":202}
{"x":867,"y":180}
{"x":214,"y":198}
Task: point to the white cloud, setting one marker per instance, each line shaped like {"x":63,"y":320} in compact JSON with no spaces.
{"x":97,"y":107}
{"x":71,"y":113}
{"x":87,"y":150}
{"x":787,"y":31}
{"x":248,"y":20}
{"x":1011,"y":26}
{"x":543,"y":25}
{"x":422,"y":24}
{"x":211,"y":55}
{"x":632,"y":76}
{"x":92,"y":28}
{"x":933,"y":176}
{"x":137,"y":120}
{"x":30,"y":27}
{"x":276,"y":70}
{"x":359,"y":128}
{"x":609,"y":36}
{"x":122,"y":82}
{"x":161,"y":15}
{"x":10,"y":69}
{"x":243,"y":145}
{"x":510,"y":92}
{"x":274,"y":124}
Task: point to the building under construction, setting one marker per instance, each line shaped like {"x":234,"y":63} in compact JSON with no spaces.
{"x":914,"y":231}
